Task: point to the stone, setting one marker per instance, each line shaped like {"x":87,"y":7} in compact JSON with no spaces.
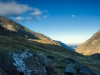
{"x":25,"y":63}
{"x":74,"y":67}
{"x":70,"y":69}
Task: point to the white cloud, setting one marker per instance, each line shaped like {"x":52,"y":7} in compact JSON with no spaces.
{"x":13,"y":8}
{"x":15,"y":11}
{"x":45,"y":16}
{"x":23,"y":19}
{"x":19,"y":18}
{"x":28,"y":19}
{"x":36,"y":13}
{"x":36,"y":9}
{"x":72,"y":15}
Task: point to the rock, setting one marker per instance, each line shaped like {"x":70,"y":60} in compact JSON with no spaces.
{"x":6,"y":63}
{"x":70,"y":69}
{"x":2,"y":72}
{"x":74,"y":67}
{"x":25,"y":63}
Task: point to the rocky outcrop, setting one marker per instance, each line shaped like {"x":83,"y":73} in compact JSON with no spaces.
{"x":25,"y":63}
{"x":91,"y":46}
{"x":74,"y":67}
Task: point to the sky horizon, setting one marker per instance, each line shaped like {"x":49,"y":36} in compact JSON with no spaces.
{"x":69,"y":21}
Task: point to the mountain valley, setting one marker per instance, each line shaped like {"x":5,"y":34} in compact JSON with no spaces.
{"x":19,"y":45}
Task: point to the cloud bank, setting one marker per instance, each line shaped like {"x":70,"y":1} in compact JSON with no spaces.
{"x":13,"y":8}
{"x":15,"y":11}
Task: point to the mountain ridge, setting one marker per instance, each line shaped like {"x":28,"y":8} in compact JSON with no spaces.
{"x":90,"y":46}
{"x":23,"y":31}
{"x":18,"y":39}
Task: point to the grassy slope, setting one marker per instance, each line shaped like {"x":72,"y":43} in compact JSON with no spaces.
{"x":17,"y":43}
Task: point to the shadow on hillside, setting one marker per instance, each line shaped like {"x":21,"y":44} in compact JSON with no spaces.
{"x":95,"y":56}
{"x":51,"y":48}
{"x":19,"y":32}
{"x":15,"y":43}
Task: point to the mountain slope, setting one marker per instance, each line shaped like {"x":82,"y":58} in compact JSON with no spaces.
{"x":11,"y":28}
{"x":64,"y":45}
{"x":91,"y":46}
{"x":14,"y":36}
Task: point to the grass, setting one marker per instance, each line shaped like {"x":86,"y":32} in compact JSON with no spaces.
{"x":13,"y":43}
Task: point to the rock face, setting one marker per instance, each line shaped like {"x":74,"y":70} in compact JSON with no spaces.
{"x":91,"y":46}
{"x":25,"y":63}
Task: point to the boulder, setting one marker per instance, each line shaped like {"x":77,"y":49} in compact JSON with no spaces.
{"x":6,"y":63}
{"x":74,"y":67}
{"x":25,"y":63}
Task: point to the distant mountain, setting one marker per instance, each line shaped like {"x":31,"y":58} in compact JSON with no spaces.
{"x":91,"y":46}
{"x":73,"y":46}
{"x":65,"y":46}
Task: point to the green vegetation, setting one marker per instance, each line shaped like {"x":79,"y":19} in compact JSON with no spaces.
{"x":18,"y":43}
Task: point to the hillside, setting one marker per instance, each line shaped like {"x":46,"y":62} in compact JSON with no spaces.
{"x":65,"y":46}
{"x":10,"y":27}
{"x":91,"y":46}
{"x":15,"y":37}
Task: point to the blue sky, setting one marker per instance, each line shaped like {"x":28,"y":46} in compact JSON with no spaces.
{"x":69,"y":21}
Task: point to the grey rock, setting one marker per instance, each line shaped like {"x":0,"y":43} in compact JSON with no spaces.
{"x":74,"y":67}
{"x":6,"y":63}
{"x":70,"y":69}
{"x":25,"y":63}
